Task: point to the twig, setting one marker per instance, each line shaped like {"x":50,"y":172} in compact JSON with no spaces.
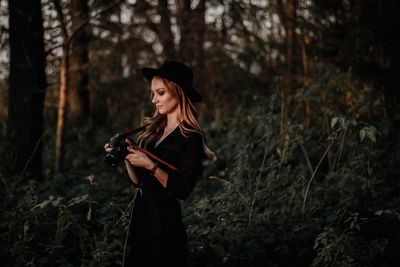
{"x":307,"y":158}
{"x":4,"y":182}
{"x":261,"y":168}
{"x":341,"y":147}
{"x":124,"y":212}
{"x":129,"y":226}
{"x":315,"y":171}
{"x":92,"y":17}
{"x":33,"y":153}
{"x":61,"y":17}
{"x":82,"y":247}
{"x":257,"y":185}
{"x":251,"y":211}
{"x":68,"y":38}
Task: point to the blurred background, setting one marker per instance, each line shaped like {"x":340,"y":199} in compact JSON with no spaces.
{"x":300,"y":105}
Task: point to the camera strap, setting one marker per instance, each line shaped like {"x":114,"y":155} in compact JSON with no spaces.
{"x":151,"y":155}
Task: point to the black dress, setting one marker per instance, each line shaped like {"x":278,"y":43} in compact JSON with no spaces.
{"x":157,"y":234}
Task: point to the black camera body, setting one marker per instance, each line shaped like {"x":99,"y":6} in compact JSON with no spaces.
{"x":119,"y":149}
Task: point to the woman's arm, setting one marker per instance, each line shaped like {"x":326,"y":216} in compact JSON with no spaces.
{"x":129,"y":168}
{"x":180,"y":183}
{"x":159,"y":174}
{"x":132,"y":172}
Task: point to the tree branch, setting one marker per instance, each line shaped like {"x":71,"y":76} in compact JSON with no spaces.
{"x":61,"y":17}
{"x":83,"y":24}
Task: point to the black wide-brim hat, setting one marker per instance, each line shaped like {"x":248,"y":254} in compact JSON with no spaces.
{"x":178,"y":73}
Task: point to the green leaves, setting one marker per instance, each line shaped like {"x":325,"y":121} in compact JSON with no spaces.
{"x":342,"y":122}
{"x":369,"y":132}
{"x":389,"y":212}
{"x":331,"y":248}
{"x":250,"y":212}
{"x":334,"y":121}
{"x":55,"y":202}
{"x":78,"y":200}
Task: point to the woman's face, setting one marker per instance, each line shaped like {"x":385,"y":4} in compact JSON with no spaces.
{"x":163,"y":99}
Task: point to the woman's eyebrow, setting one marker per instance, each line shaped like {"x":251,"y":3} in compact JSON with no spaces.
{"x":158,"y":89}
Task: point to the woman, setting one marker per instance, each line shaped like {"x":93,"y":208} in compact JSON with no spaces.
{"x":157,"y":233}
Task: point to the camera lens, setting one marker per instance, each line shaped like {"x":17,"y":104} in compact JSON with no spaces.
{"x":111,"y":160}
{"x":116,"y":155}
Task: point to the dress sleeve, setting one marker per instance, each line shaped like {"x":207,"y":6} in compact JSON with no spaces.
{"x":181,"y":183}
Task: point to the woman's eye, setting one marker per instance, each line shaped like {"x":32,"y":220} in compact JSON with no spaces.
{"x":161,"y":93}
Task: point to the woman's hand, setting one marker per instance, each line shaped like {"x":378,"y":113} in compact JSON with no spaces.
{"x":138,"y":158}
{"x":107,"y":147}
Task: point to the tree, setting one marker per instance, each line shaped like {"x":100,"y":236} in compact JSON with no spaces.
{"x":27,"y":84}
{"x":62,"y":98}
{"x":362,"y":35}
{"x":67,"y":38}
{"x":165,"y":30}
{"x":78,"y":65}
{"x":192,"y":29}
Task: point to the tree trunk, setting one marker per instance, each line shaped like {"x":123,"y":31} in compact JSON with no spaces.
{"x":291,"y":34}
{"x":192,"y":28}
{"x":291,"y":45}
{"x":183,"y":17}
{"x":304,"y":55}
{"x":63,"y":91}
{"x":27,"y":84}
{"x":64,"y":75}
{"x":62,"y":114}
{"x":200,"y":26}
{"x":165,"y":33}
{"x":78,"y":64}
{"x":288,"y":18}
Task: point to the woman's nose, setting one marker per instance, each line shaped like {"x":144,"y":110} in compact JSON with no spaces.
{"x":154,"y":100}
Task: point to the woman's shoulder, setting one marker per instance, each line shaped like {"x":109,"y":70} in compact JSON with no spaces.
{"x":193,"y":142}
{"x":193,"y":136}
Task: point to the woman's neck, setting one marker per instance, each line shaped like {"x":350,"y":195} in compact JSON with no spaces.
{"x":172,"y":121}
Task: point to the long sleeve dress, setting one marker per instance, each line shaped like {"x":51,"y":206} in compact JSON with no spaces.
{"x":157,"y":234}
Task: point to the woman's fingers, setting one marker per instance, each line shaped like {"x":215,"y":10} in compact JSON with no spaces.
{"x":137,"y":158}
{"x":107,"y":147}
{"x":131,"y":158}
{"x":130,"y":149}
{"x":128,"y":141}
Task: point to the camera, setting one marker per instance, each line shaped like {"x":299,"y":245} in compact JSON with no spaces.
{"x":119,"y":149}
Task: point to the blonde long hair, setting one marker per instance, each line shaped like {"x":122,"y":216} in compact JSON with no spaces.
{"x":187,"y":118}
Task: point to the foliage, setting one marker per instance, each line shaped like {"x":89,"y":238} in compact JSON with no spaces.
{"x":282,"y":193}
{"x":69,"y":219}
{"x":307,"y":176}
{"x":291,"y":197}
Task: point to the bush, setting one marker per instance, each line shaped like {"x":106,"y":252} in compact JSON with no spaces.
{"x":289,"y":188}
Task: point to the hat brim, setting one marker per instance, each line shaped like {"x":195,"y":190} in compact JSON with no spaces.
{"x":150,"y":73}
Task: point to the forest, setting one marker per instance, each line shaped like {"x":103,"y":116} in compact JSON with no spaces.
{"x":301,"y":105}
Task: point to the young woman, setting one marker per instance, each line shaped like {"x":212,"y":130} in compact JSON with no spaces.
{"x":157,"y":233}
